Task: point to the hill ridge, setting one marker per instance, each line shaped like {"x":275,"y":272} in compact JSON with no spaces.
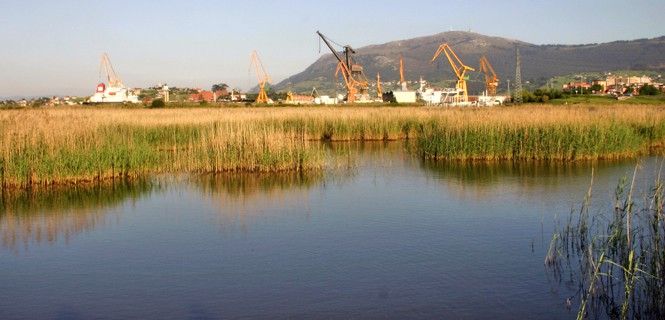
{"x":539,"y":61}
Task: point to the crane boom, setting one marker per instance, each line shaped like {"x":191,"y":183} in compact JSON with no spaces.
{"x":111,"y":76}
{"x":354,"y":79}
{"x":459,"y":68}
{"x":261,"y":75}
{"x":332,"y":49}
{"x":491,"y":79}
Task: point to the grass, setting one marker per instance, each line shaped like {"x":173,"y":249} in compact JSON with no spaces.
{"x":615,"y":257}
{"x":609,"y":100}
{"x":41,"y":147}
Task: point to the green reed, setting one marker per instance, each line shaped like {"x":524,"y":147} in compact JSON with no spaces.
{"x":46,"y":147}
{"x":563,"y":141}
{"x":615,"y":258}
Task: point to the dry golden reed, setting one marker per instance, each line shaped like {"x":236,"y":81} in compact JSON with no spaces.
{"x":72,"y":145}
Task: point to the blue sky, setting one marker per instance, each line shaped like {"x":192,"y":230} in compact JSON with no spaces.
{"x":53,"y":47}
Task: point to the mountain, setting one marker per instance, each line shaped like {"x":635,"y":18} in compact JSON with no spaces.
{"x":539,"y":62}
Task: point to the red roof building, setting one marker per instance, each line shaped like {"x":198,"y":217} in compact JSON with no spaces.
{"x":203,"y":95}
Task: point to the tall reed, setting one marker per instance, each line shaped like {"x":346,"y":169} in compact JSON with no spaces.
{"x":74,"y":145}
{"x":616,"y":258}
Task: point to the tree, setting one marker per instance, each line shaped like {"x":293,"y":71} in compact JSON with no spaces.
{"x":596,"y":88}
{"x":648,"y":90}
{"x":157,"y":103}
{"x":219,"y":86}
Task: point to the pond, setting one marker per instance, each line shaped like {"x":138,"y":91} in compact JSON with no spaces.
{"x":386,"y":236}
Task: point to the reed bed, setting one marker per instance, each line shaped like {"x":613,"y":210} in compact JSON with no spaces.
{"x":544,"y":133}
{"x":74,"y":145}
{"x":615,"y":257}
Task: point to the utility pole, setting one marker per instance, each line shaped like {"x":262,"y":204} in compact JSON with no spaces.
{"x":508,"y":87}
{"x":518,"y":76}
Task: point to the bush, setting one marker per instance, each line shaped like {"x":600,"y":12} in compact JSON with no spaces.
{"x":649,"y":90}
{"x":157,"y":103}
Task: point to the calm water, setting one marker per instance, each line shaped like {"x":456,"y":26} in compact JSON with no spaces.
{"x":391,"y":237}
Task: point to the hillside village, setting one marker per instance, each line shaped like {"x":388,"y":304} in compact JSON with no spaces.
{"x":617,"y":85}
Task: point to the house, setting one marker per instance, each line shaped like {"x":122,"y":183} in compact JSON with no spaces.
{"x":574,"y":85}
{"x":237,"y":96}
{"x":601,"y":83}
{"x":202,"y":96}
{"x":614,"y":80}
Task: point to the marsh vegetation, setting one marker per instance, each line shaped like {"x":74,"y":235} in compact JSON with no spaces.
{"x":614,"y":256}
{"x":76,"y":145}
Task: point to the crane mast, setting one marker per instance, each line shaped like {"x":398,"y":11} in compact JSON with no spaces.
{"x":491,"y":79}
{"x":348,"y":81}
{"x":353,"y":75}
{"x":379,"y":87}
{"x":459,"y":68}
{"x":262,"y":76}
{"x":401,"y":73}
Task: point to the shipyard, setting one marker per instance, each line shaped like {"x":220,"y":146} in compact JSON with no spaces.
{"x":347,"y":84}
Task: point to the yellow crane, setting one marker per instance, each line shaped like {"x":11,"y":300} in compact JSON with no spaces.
{"x":491,"y":79}
{"x":354,"y":78}
{"x":262,"y":76}
{"x":459,"y":68}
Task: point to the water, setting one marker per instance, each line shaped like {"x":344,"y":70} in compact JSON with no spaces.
{"x":390,"y":237}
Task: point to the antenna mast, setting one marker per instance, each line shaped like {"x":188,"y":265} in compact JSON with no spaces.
{"x":518,"y":76}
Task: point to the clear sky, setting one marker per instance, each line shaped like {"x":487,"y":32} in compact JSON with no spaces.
{"x":53,"y":47}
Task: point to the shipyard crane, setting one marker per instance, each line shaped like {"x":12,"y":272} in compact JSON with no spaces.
{"x":262,"y":76}
{"x":112,"y":78}
{"x":113,"y":91}
{"x":459,"y":68}
{"x":379,"y":87}
{"x":401,"y":73}
{"x":491,"y":79}
{"x":354,"y":78}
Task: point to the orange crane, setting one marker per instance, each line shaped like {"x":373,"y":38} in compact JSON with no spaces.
{"x":491,"y":80}
{"x":379,"y":88}
{"x":459,"y":68}
{"x":262,"y":76}
{"x":354,"y":78}
{"x":401,"y":73}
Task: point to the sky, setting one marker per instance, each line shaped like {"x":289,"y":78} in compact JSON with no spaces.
{"x":54,"y":47}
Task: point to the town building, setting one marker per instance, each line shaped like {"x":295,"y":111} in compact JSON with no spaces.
{"x":202,"y":96}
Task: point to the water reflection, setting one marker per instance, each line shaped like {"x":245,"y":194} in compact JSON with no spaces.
{"x":241,"y":198}
{"x":482,"y":180}
{"x":50,"y":215}
{"x":382,"y":234}
{"x":247,"y":185}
